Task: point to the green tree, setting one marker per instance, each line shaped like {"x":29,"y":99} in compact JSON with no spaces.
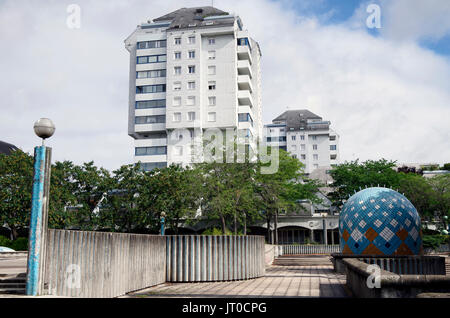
{"x":280,"y":190}
{"x":418,"y":191}
{"x":350,"y":177}
{"x":16,"y":182}
{"x":62,"y":195}
{"x":441,"y":194}
{"x":91,"y":184}
{"x":173,"y":190}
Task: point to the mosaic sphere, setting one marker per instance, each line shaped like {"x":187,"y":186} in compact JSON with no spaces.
{"x":379,"y":221}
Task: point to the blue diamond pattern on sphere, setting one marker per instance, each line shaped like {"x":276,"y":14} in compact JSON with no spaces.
{"x":391,"y":222}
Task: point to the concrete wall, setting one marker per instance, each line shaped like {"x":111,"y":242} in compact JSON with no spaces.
{"x":271,"y":252}
{"x":199,"y":258}
{"x":390,"y":285}
{"x":108,"y":264}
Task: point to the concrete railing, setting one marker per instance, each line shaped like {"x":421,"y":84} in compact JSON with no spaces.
{"x":360,"y":281}
{"x":309,"y":249}
{"x":399,"y":264}
{"x":95,"y":264}
{"x":200,"y":258}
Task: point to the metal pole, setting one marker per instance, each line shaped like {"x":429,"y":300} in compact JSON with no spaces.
{"x":325,"y":237}
{"x":38,"y":220}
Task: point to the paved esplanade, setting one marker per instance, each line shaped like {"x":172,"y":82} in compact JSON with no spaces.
{"x":279,"y":281}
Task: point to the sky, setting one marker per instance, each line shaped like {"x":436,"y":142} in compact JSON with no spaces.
{"x":385,"y":90}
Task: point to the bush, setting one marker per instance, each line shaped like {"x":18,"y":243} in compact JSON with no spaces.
{"x":434,"y":241}
{"x":216,"y":231}
{"x":5,"y":241}
{"x":20,"y":244}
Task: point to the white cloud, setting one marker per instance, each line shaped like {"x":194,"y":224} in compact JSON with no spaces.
{"x":386,"y":98}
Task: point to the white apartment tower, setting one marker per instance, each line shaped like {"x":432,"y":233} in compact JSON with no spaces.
{"x":306,"y":137}
{"x":191,"y":70}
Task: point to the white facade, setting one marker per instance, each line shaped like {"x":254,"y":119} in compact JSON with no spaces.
{"x":208,"y":72}
{"x":310,"y":140}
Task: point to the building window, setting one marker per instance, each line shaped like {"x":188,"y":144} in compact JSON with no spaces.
{"x":212,"y":55}
{"x":302,"y":137}
{"x":177,"y":41}
{"x":332,"y":138}
{"x":177,"y":117}
{"x":151,"y":59}
{"x":333,"y":157}
{"x":294,"y":156}
{"x":211,"y":116}
{"x":191,"y":54}
{"x":151,"y":151}
{"x":191,"y":40}
{"x":303,"y":157}
{"x":191,"y":85}
{"x":177,"y":70}
{"x":212,"y":85}
{"x":293,"y":137}
{"x":303,"y":147}
{"x":245,"y":117}
{"x":177,"y":86}
{"x":177,"y":55}
{"x":211,"y":41}
{"x":314,"y":147}
{"x":190,"y":101}
{"x":294,"y":148}
{"x":151,"y":74}
{"x":212,"y":100}
{"x":177,"y":101}
{"x":151,"y":44}
{"x":191,"y":69}
{"x":314,"y":137}
{"x":315,"y":157}
{"x":316,"y":166}
{"x":149,"y":166}
{"x":157,"y":103}
{"x":332,"y":147}
{"x":156,"y":119}
{"x":191,"y":116}
{"x":147,"y":89}
{"x":212,"y":70}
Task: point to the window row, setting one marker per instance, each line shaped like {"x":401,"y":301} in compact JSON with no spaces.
{"x":302,"y":137}
{"x":177,"y":116}
{"x":155,"y":119}
{"x":156,"y":103}
{"x":151,"y":74}
{"x":148,"y":89}
{"x":191,"y":85}
{"x":191,"y":55}
{"x":151,"y":59}
{"x":151,"y":44}
{"x":149,"y":166}
{"x":190,"y":70}
{"x":333,"y":147}
{"x":151,"y":151}
{"x":191,"y":40}
{"x":280,"y":138}
{"x":190,"y":101}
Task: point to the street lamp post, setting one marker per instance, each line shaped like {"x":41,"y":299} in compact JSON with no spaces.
{"x":163,"y":215}
{"x":44,"y":128}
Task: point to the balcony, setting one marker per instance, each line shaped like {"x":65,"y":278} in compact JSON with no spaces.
{"x":244,"y":68}
{"x":243,"y":52}
{"x":245,"y":83}
{"x":245,"y":98}
{"x":149,"y":127}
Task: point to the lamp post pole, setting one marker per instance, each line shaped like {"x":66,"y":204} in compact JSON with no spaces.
{"x":163,"y":215}
{"x":44,"y":128}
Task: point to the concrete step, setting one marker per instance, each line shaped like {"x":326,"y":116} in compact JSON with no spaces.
{"x":13,"y":284}
{"x":302,"y":260}
{"x":13,"y":290}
